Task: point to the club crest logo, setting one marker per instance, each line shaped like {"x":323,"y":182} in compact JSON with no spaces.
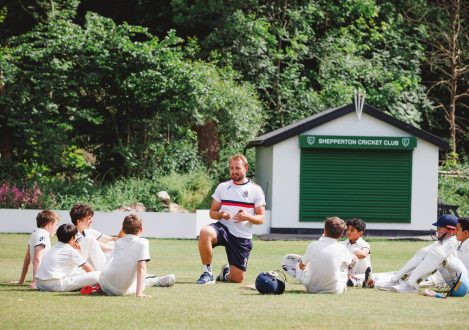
{"x":245,"y":194}
{"x":311,"y":140}
{"x":405,"y":142}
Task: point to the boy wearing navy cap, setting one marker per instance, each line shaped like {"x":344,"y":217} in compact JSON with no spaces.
{"x":440,"y":255}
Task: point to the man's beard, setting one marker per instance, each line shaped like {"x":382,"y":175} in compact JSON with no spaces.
{"x":237,"y":178}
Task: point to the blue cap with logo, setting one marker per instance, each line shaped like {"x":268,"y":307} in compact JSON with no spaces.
{"x":446,"y":221}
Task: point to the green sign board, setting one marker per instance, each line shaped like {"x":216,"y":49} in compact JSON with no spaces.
{"x":358,"y":142}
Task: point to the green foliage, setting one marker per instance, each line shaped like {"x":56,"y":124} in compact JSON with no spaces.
{"x":453,"y":184}
{"x":192,"y":191}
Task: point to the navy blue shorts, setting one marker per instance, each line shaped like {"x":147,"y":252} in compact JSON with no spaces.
{"x":237,"y":248}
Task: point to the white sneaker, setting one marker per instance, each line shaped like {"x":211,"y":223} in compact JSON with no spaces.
{"x":163,"y":281}
{"x":289,"y":263}
{"x":404,"y":287}
{"x":386,"y":286}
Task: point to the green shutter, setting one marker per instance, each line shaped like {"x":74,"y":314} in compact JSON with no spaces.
{"x":374,"y":185}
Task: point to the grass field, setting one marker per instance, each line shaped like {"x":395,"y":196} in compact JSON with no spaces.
{"x":187,"y":305}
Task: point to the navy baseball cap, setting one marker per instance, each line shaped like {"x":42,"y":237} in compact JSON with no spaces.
{"x":446,"y":221}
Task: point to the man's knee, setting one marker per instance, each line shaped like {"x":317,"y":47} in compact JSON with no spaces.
{"x":236,"y":274}
{"x":207,"y":233}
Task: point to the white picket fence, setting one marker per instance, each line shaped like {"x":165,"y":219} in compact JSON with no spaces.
{"x":155,"y":224}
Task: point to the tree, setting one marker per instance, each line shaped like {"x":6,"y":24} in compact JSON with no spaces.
{"x":448,"y":60}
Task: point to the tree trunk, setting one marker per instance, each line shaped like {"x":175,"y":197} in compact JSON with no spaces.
{"x":208,"y":143}
{"x":5,"y":134}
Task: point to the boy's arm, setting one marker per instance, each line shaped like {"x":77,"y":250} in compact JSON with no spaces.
{"x":106,"y":238}
{"x":141,"y":274}
{"x":362,"y":253}
{"x":38,"y":253}
{"x":87,"y":267}
{"x":24,"y":270}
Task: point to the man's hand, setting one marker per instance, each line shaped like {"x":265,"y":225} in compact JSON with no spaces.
{"x":224,"y":215}
{"x":33,"y":285}
{"x":242,"y":215}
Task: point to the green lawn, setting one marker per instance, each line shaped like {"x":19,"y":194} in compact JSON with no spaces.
{"x":187,"y":305}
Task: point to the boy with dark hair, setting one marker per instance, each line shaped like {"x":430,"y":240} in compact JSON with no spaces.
{"x":39,"y":243}
{"x":126,"y":270}
{"x":58,"y":268}
{"x":323,"y":268}
{"x":93,"y":244}
{"x":361,"y":249}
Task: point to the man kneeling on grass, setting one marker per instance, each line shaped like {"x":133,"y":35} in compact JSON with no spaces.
{"x":58,"y":269}
{"x":125,"y":272}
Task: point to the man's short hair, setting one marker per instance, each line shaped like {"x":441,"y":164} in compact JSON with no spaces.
{"x":132,"y":224}
{"x":45,"y":217}
{"x":464,"y":222}
{"x":239,"y":157}
{"x":357,"y":223}
{"x":80,"y":211}
{"x":334,"y":227}
{"x":66,"y":232}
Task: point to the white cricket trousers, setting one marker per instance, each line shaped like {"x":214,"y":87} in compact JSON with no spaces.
{"x":69,"y":283}
{"x":91,"y":252}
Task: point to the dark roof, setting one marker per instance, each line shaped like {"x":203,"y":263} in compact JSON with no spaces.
{"x":326,"y":116}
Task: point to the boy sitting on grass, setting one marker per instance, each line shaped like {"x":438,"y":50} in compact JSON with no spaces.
{"x":323,"y":268}
{"x":125,"y":272}
{"x":57,"y":271}
{"x":93,"y":244}
{"x":360,"y":273}
{"x":39,"y":244}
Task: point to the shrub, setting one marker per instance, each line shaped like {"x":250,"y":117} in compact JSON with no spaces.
{"x":14,"y":197}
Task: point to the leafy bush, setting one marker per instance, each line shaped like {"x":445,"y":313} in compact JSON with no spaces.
{"x":453,"y":186}
{"x":192,"y":191}
{"x":14,"y":197}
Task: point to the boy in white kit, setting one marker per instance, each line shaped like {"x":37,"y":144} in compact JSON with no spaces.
{"x":39,"y":244}
{"x":360,"y":273}
{"x":323,"y":268}
{"x":57,"y":271}
{"x":126,"y":270}
{"x":93,"y":244}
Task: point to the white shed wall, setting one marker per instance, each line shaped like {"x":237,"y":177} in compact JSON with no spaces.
{"x":285,"y":180}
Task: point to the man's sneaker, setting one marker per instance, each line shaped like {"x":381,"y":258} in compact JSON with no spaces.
{"x":205,"y":278}
{"x":163,"y":281}
{"x":404,"y":287}
{"x":368,"y":282}
{"x":386,"y":286}
{"x":225,"y":269}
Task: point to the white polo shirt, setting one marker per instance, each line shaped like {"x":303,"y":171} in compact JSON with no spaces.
{"x":61,"y":261}
{"x":362,"y":264}
{"x":234,"y":197}
{"x":463,"y":253}
{"x":89,"y":233}
{"x":39,"y":237}
{"x":326,"y":263}
{"x":120,"y":271}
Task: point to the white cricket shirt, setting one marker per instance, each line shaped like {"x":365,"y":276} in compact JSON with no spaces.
{"x":120,"y":271}
{"x":61,"y":261}
{"x":362,"y":264}
{"x":326,"y":263}
{"x":39,"y":237}
{"x":234,"y":197}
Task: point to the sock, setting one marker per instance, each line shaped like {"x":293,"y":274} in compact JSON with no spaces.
{"x":208,"y":269}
